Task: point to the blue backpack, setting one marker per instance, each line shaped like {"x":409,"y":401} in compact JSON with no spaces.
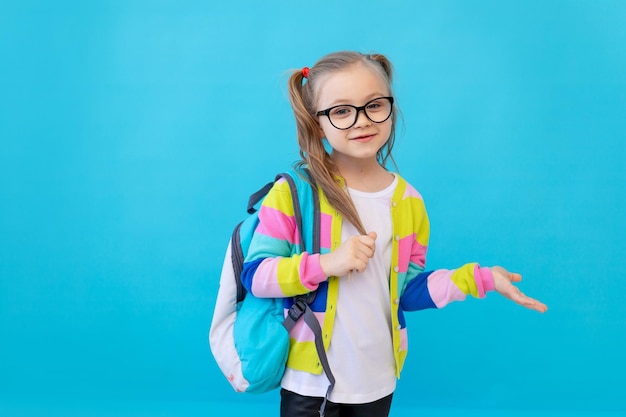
{"x":249,"y":336}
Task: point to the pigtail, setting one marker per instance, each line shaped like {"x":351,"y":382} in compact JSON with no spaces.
{"x":313,"y":154}
{"x":385,"y":65}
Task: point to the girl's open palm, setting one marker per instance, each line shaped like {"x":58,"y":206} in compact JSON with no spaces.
{"x":503,"y":280}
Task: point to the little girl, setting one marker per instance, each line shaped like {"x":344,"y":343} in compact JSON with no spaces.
{"x":374,"y":238}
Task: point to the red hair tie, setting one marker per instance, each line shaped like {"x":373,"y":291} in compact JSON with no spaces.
{"x":305,"y":72}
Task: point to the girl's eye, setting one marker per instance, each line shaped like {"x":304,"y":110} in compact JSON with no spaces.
{"x":374,"y":106}
{"x":343,"y":111}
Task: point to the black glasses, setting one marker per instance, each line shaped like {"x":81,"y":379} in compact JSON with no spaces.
{"x":344,"y":116}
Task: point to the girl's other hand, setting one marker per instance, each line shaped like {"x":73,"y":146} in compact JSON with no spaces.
{"x":352,"y":255}
{"x":503,"y":280}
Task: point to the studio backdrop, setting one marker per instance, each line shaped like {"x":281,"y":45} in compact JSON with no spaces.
{"x":133,"y":132}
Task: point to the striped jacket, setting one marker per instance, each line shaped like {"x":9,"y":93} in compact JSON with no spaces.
{"x":276,"y":266}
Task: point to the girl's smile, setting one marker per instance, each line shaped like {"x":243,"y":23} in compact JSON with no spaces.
{"x":365,"y":138}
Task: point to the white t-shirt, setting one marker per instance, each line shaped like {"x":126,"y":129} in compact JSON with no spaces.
{"x":360,"y":353}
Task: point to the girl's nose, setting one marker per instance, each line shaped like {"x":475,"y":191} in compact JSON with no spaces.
{"x":361,"y":118}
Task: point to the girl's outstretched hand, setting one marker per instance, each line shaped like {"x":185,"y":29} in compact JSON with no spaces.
{"x":503,"y":280}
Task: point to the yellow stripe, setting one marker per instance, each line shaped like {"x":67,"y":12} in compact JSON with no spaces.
{"x":288,"y":276}
{"x":303,"y":357}
{"x":279,"y":198}
{"x":333,"y":282}
{"x":405,"y":221}
{"x":463,"y":278}
{"x":398,"y":233}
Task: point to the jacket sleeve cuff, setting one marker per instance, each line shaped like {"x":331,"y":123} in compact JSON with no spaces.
{"x":484,"y":280}
{"x":311,"y":273}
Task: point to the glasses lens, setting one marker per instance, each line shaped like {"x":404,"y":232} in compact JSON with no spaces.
{"x":342,"y":117}
{"x":378,"y":110}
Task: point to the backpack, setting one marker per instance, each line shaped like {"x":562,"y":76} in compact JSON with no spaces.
{"x":249,"y":336}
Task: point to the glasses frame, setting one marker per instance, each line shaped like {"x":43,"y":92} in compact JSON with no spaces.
{"x":327,"y":111}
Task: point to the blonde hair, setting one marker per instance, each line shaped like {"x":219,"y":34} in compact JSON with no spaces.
{"x":303,"y":97}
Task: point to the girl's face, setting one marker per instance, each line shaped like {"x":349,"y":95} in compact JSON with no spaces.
{"x":356,"y":86}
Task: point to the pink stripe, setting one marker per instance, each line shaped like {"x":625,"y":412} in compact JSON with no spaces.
{"x":411,"y":250}
{"x":405,"y":246}
{"x":404,"y":339}
{"x":326,"y":222}
{"x":411,"y":192}
{"x":265,"y":282}
{"x":276,"y":224}
{"x":441,"y":288}
{"x":303,"y":333}
{"x":310,"y":271}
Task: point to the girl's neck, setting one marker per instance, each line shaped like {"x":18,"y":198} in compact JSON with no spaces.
{"x":367,"y":176}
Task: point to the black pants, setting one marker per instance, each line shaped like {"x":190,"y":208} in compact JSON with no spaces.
{"x":295,"y":405}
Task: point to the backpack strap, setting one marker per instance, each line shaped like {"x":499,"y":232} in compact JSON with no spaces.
{"x":257,"y":196}
{"x":299,"y":194}
{"x":302,"y":304}
{"x":237,"y":259}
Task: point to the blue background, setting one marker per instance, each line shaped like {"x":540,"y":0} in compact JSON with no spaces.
{"x":132,"y":133}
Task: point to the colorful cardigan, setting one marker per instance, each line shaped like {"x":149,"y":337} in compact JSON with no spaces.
{"x":276,"y":266}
